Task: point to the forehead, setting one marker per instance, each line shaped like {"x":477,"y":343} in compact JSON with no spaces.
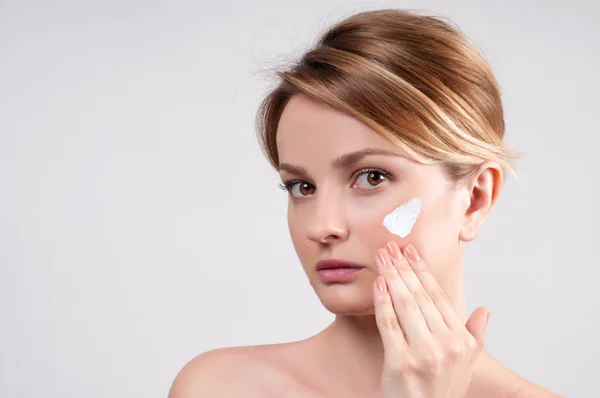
{"x":309,"y":130}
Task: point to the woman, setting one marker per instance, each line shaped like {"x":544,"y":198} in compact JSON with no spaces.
{"x":388,"y":137}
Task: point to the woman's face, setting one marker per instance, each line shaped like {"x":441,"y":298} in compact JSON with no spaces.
{"x":343,"y":179}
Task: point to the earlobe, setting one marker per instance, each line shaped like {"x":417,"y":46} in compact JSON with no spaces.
{"x":483,"y":188}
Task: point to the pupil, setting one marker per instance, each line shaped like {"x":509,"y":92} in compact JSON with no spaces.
{"x":305,"y":189}
{"x":373,"y":178}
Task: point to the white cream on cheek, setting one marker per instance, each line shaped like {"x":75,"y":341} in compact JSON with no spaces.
{"x":401,"y":221}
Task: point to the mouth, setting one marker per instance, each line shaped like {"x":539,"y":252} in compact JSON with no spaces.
{"x":335,"y":271}
{"x":335,"y":264}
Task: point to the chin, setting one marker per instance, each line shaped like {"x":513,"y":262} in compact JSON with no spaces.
{"x":346,"y":298}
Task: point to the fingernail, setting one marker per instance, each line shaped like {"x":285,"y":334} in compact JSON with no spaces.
{"x":385,"y":262}
{"x":380,"y":260}
{"x":412,"y":254}
{"x":380,"y":283}
{"x":487,"y":318}
{"x":394,"y":250}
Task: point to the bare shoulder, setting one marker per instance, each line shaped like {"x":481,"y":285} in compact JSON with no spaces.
{"x":232,"y":372}
{"x":531,"y":390}
{"x":223,"y":372}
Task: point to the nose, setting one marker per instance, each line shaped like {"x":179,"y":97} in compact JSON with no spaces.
{"x":328,"y":223}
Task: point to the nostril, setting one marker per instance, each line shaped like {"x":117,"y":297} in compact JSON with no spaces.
{"x":328,"y":234}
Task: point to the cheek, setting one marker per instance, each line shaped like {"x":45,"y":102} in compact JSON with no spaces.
{"x":369,"y":228}
{"x":434,"y":233}
{"x":436,"y":236}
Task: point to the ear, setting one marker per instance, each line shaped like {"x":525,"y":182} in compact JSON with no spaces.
{"x":483,"y":188}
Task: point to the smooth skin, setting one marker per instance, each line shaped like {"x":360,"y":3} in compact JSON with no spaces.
{"x":412,"y":340}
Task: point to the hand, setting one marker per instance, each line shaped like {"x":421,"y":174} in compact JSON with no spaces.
{"x":429,"y":353}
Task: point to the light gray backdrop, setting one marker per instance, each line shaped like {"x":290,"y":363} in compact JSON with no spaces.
{"x":140,"y":225}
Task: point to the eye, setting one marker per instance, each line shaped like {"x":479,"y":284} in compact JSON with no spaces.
{"x":369,"y":179}
{"x":298,"y":189}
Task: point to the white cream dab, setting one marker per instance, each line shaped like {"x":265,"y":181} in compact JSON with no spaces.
{"x":401,"y":221}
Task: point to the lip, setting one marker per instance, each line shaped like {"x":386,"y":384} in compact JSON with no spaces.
{"x":333,"y":263}
{"x":333,"y":270}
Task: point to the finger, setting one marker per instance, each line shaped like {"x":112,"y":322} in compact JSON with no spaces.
{"x":431,"y":313}
{"x":477,"y":325}
{"x":389,"y":327}
{"x":431,"y":285}
{"x":407,"y":309}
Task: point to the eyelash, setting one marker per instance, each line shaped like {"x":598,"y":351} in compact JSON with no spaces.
{"x":287,"y":185}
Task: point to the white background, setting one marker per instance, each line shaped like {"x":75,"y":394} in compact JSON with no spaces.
{"x":140,"y":224}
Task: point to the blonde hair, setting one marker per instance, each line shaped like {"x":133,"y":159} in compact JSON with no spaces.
{"x":414,"y":79}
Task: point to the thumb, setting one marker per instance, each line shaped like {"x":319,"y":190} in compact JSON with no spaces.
{"x":477,"y":323}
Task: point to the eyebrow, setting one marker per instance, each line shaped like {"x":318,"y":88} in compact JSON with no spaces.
{"x":343,"y":160}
